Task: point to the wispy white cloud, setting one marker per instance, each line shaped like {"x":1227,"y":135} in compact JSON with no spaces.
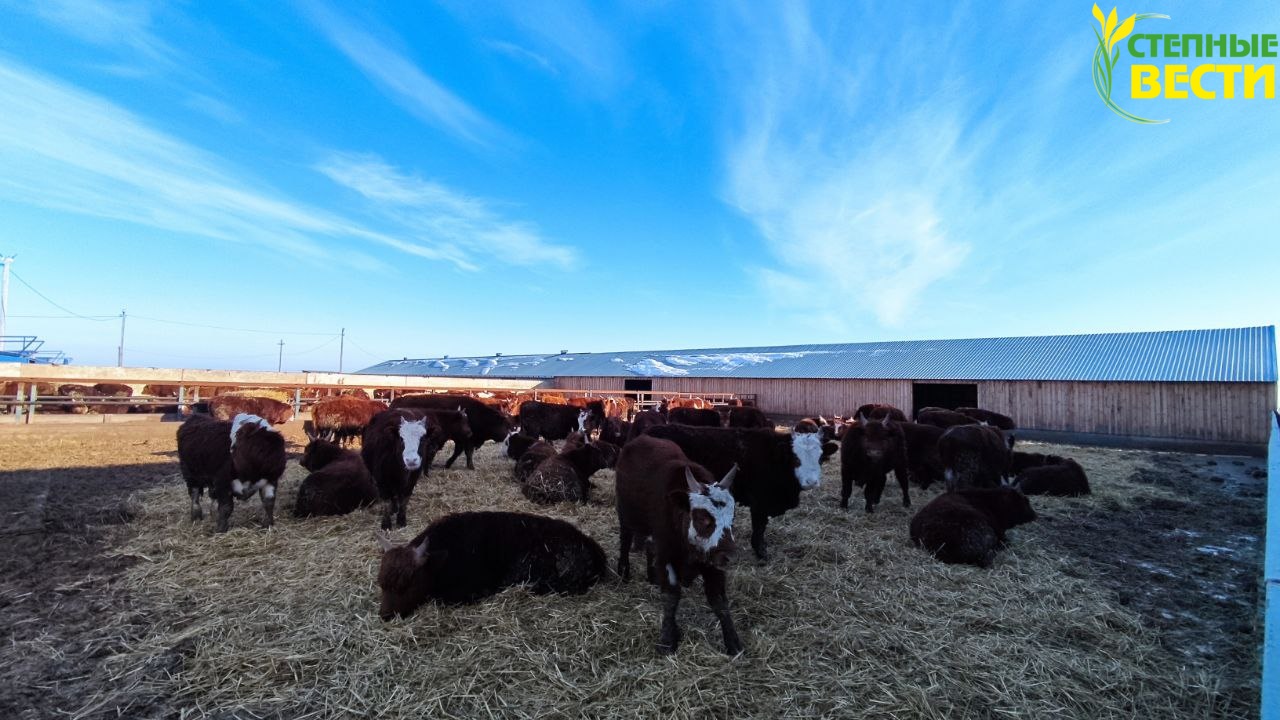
{"x":406,"y":83}
{"x":848,"y":208}
{"x":214,"y":108}
{"x":523,"y":54}
{"x":69,"y":150}
{"x":433,"y":213}
{"x":122,"y":24}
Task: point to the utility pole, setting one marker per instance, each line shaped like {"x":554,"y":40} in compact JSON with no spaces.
{"x":120,"y":350}
{"x":342,"y":341}
{"x":280,"y":360}
{"x":4,"y":296}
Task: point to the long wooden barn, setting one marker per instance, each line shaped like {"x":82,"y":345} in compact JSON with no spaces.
{"x":1204,"y":385}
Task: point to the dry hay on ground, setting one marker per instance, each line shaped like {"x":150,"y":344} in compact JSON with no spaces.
{"x":846,"y":620}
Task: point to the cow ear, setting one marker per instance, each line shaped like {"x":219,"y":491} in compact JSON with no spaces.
{"x":420,"y":553}
{"x":384,"y":542}
{"x":861,"y":419}
{"x":726,"y":483}
{"x":695,"y":487}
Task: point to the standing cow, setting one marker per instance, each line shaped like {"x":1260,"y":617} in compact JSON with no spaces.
{"x":397,"y":448}
{"x":554,"y":422}
{"x":975,"y":456}
{"x":694,"y":416}
{"x":487,"y":423}
{"x":232,"y":460}
{"x":775,"y":467}
{"x":684,"y":518}
{"x":870,"y":449}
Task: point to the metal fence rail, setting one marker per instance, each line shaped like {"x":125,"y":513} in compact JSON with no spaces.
{"x":1271,"y":582}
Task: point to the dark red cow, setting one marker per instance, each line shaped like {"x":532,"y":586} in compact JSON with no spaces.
{"x":339,"y":482}
{"x":974,"y":456}
{"x":232,"y":460}
{"x":465,"y":557}
{"x":676,"y":510}
{"x":398,"y":447}
{"x":870,"y":449}
{"x":487,"y":423}
{"x":968,"y":526}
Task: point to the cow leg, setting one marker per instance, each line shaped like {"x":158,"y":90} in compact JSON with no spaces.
{"x":402,"y":508}
{"x":469,"y":449}
{"x":904,"y":483}
{"x":388,"y":508}
{"x":457,"y":450}
{"x":872,"y":492}
{"x":713,"y":581}
{"x":197,"y":512}
{"x":846,"y":489}
{"x":624,"y":553}
{"x":268,"y":496}
{"x":759,"y":521}
{"x":669,"y":636}
{"x":223,"y":520}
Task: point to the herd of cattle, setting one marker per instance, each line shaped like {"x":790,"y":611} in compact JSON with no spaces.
{"x":680,"y":472}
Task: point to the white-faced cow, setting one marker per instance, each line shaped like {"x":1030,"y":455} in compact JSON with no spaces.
{"x":398,"y":447}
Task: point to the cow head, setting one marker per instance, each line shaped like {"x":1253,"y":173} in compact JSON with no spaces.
{"x":807,"y":449}
{"x":466,"y":422}
{"x":412,"y":435}
{"x":710,"y":516}
{"x":583,"y":417}
{"x":319,"y":453}
{"x":877,"y":437}
{"x":506,"y":441}
{"x":399,"y":576}
{"x":1012,"y":507}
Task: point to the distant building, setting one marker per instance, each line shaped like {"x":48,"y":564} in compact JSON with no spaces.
{"x":1213,"y":385}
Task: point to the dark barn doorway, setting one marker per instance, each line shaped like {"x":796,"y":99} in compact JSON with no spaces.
{"x":943,"y":395}
{"x":638,"y":389}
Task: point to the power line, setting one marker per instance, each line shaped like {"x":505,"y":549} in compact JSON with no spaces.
{"x":231,"y":329}
{"x":63,"y":309}
{"x":356,"y":345}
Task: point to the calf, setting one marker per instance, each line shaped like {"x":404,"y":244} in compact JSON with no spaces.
{"x":232,"y":460}
{"x":517,"y":444}
{"x":1004,"y":422}
{"x":397,"y":447}
{"x":870,"y":449}
{"x":748,"y":417}
{"x":923,"y":460}
{"x":974,"y":456}
{"x":693,"y":416}
{"x":1022,"y":460}
{"x":530,"y":460}
{"x":1066,"y":479}
{"x":615,"y":431}
{"x":564,"y":477}
{"x":775,"y":467}
{"x":684,"y":518}
{"x":943,"y":418}
{"x":876,"y":411}
{"x":487,"y":423}
{"x":451,"y":425}
{"x":644,"y":420}
{"x":339,"y":482}
{"x":554,"y":422}
{"x":968,"y":526}
{"x":342,"y":419}
{"x":464,"y":557}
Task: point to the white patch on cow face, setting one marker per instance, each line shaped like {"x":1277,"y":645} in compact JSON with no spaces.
{"x":247,"y":419}
{"x":671,"y":575}
{"x":808,"y":449}
{"x":719,"y":504}
{"x":411,"y":432}
{"x":582,"y":420}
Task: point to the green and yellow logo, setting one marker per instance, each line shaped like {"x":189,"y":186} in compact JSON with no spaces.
{"x":1178,"y":81}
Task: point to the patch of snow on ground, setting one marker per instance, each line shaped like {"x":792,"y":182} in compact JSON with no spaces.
{"x":1215,"y":550}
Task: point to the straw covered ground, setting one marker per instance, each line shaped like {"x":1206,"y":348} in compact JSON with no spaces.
{"x":1136,"y":602}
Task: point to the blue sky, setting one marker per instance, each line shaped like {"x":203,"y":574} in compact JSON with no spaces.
{"x":469,"y":178}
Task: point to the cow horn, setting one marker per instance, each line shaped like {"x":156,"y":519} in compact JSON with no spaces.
{"x":727,"y":482}
{"x":861,"y":420}
{"x":695,"y":487}
{"x":384,"y":542}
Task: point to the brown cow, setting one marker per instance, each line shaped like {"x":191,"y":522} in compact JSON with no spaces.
{"x":676,"y":510}
{"x":974,"y":456}
{"x":119,"y":390}
{"x":870,"y":449}
{"x":343,"y":418}
{"x":225,"y":407}
{"x":968,"y":526}
{"x":943,"y":418}
{"x":1066,"y":479}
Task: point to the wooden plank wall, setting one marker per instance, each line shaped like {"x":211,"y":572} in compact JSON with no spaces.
{"x":1221,"y":412}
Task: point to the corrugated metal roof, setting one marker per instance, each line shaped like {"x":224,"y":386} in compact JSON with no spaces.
{"x":1226,"y":355}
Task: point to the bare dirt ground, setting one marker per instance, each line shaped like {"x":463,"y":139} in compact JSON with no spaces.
{"x":1139,"y":601}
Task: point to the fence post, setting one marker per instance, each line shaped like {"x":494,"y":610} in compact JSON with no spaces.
{"x":182,"y":399}
{"x":17,"y":402}
{"x":31,"y":408}
{"x":297,"y":402}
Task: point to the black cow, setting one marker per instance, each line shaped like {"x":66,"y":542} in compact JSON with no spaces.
{"x":773,"y":467}
{"x":1004,"y":422}
{"x":233,"y":460}
{"x":694,"y":416}
{"x":464,"y":557}
{"x":974,"y":456}
{"x":1066,"y":478}
{"x":923,"y":459}
{"x":554,"y":422}
{"x":487,"y":423}
{"x":339,"y":482}
{"x":968,"y":526}
{"x":870,"y":449}
{"x":644,"y":420}
{"x":748,"y":417}
{"x":398,"y":447}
